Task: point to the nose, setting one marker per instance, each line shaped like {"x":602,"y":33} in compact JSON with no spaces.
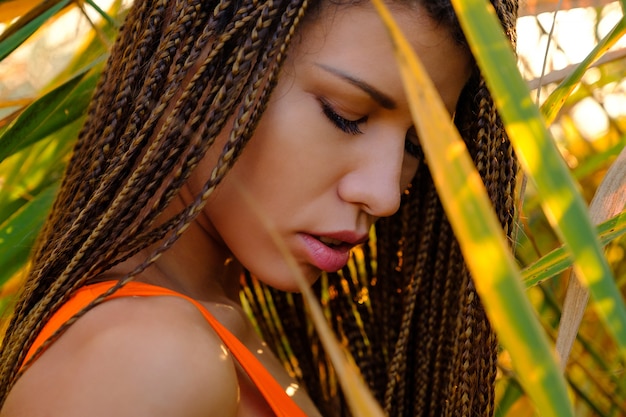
{"x":374,"y":181}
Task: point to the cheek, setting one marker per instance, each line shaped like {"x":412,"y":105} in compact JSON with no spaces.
{"x":292,"y":146}
{"x":275,"y":167}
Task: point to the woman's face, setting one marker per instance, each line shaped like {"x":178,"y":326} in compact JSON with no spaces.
{"x":328,"y":157}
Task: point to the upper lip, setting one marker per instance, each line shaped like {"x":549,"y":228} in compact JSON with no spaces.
{"x":346,"y":236}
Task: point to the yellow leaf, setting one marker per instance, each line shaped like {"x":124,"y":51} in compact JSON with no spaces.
{"x":10,"y":9}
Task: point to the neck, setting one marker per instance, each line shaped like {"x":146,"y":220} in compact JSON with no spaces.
{"x":197,"y":264}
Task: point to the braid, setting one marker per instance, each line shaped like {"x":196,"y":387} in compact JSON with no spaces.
{"x":181,"y":68}
{"x":397,"y":368}
{"x":79,"y":229}
{"x":405,"y":306}
{"x":430,"y":335}
{"x":446,"y":270}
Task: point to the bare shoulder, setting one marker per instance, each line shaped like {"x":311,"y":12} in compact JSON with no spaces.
{"x":152,"y":356}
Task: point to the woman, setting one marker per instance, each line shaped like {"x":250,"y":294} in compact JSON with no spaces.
{"x":306,"y":99}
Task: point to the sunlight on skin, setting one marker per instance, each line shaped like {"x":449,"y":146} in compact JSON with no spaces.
{"x":488,"y":250}
{"x":291,"y":389}
{"x":225,"y":355}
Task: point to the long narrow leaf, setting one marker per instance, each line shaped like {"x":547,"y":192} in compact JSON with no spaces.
{"x":11,"y":9}
{"x":555,"y":101}
{"x":599,"y":160}
{"x":101,"y":12}
{"x":18,"y":233}
{"x":561,"y":201}
{"x":512,"y":393}
{"x":609,"y":200}
{"x":13,"y":39}
{"x":57,"y":109}
{"x":34,"y":169}
{"x":558,"y":260}
{"x":480,"y":235}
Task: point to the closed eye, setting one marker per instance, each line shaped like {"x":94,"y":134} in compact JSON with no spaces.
{"x":347,"y":126}
{"x":412,"y":146}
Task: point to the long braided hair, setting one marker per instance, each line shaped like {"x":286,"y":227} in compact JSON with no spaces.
{"x":405,"y":305}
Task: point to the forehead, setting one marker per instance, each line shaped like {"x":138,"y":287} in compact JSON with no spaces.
{"x":353,"y":38}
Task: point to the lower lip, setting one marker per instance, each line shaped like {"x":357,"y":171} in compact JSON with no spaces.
{"x":324,"y":257}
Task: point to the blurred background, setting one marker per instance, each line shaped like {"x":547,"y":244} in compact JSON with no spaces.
{"x":589,"y":131}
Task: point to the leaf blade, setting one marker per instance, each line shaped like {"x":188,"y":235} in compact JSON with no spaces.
{"x":561,"y":201}
{"x":25,"y":27}
{"x":558,"y":260}
{"x":474,"y":222}
{"x":46,"y":115}
{"x":18,"y":233}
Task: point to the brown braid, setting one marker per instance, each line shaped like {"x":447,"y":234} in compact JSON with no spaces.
{"x":133,"y":139}
{"x":407,"y":309}
{"x":431,"y":345}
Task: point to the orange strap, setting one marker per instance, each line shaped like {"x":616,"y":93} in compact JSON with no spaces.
{"x":274,"y":394}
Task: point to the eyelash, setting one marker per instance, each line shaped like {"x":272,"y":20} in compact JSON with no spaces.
{"x":412,"y":149}
{"x":352,"y":127}
{"x":349,"y":126}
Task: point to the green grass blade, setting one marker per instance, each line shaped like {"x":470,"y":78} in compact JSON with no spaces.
{"x":555,"y":101}
{"x":561,"y":201}
{"x":599,"y":382}
{"x":10,"y":171}
{"x":42,"y":167}
{"x":475,"y":225}
{"x":29,"y":172}
{"x":101,"y":12}
{"x":48,"y":114}
{"x":558,"y":260}
{"x":11,"y":39}
{"x":18,"y":233}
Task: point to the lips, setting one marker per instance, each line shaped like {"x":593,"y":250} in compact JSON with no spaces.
{"x":331,"y":251}
{"x":330,"y":241}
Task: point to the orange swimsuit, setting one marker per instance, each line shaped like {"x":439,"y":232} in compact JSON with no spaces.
{"x":274,"y":394}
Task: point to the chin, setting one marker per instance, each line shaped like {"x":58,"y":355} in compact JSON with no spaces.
{"x":287,"y":282}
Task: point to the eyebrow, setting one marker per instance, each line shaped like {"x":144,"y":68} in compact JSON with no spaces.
{"x":381,"y":98}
